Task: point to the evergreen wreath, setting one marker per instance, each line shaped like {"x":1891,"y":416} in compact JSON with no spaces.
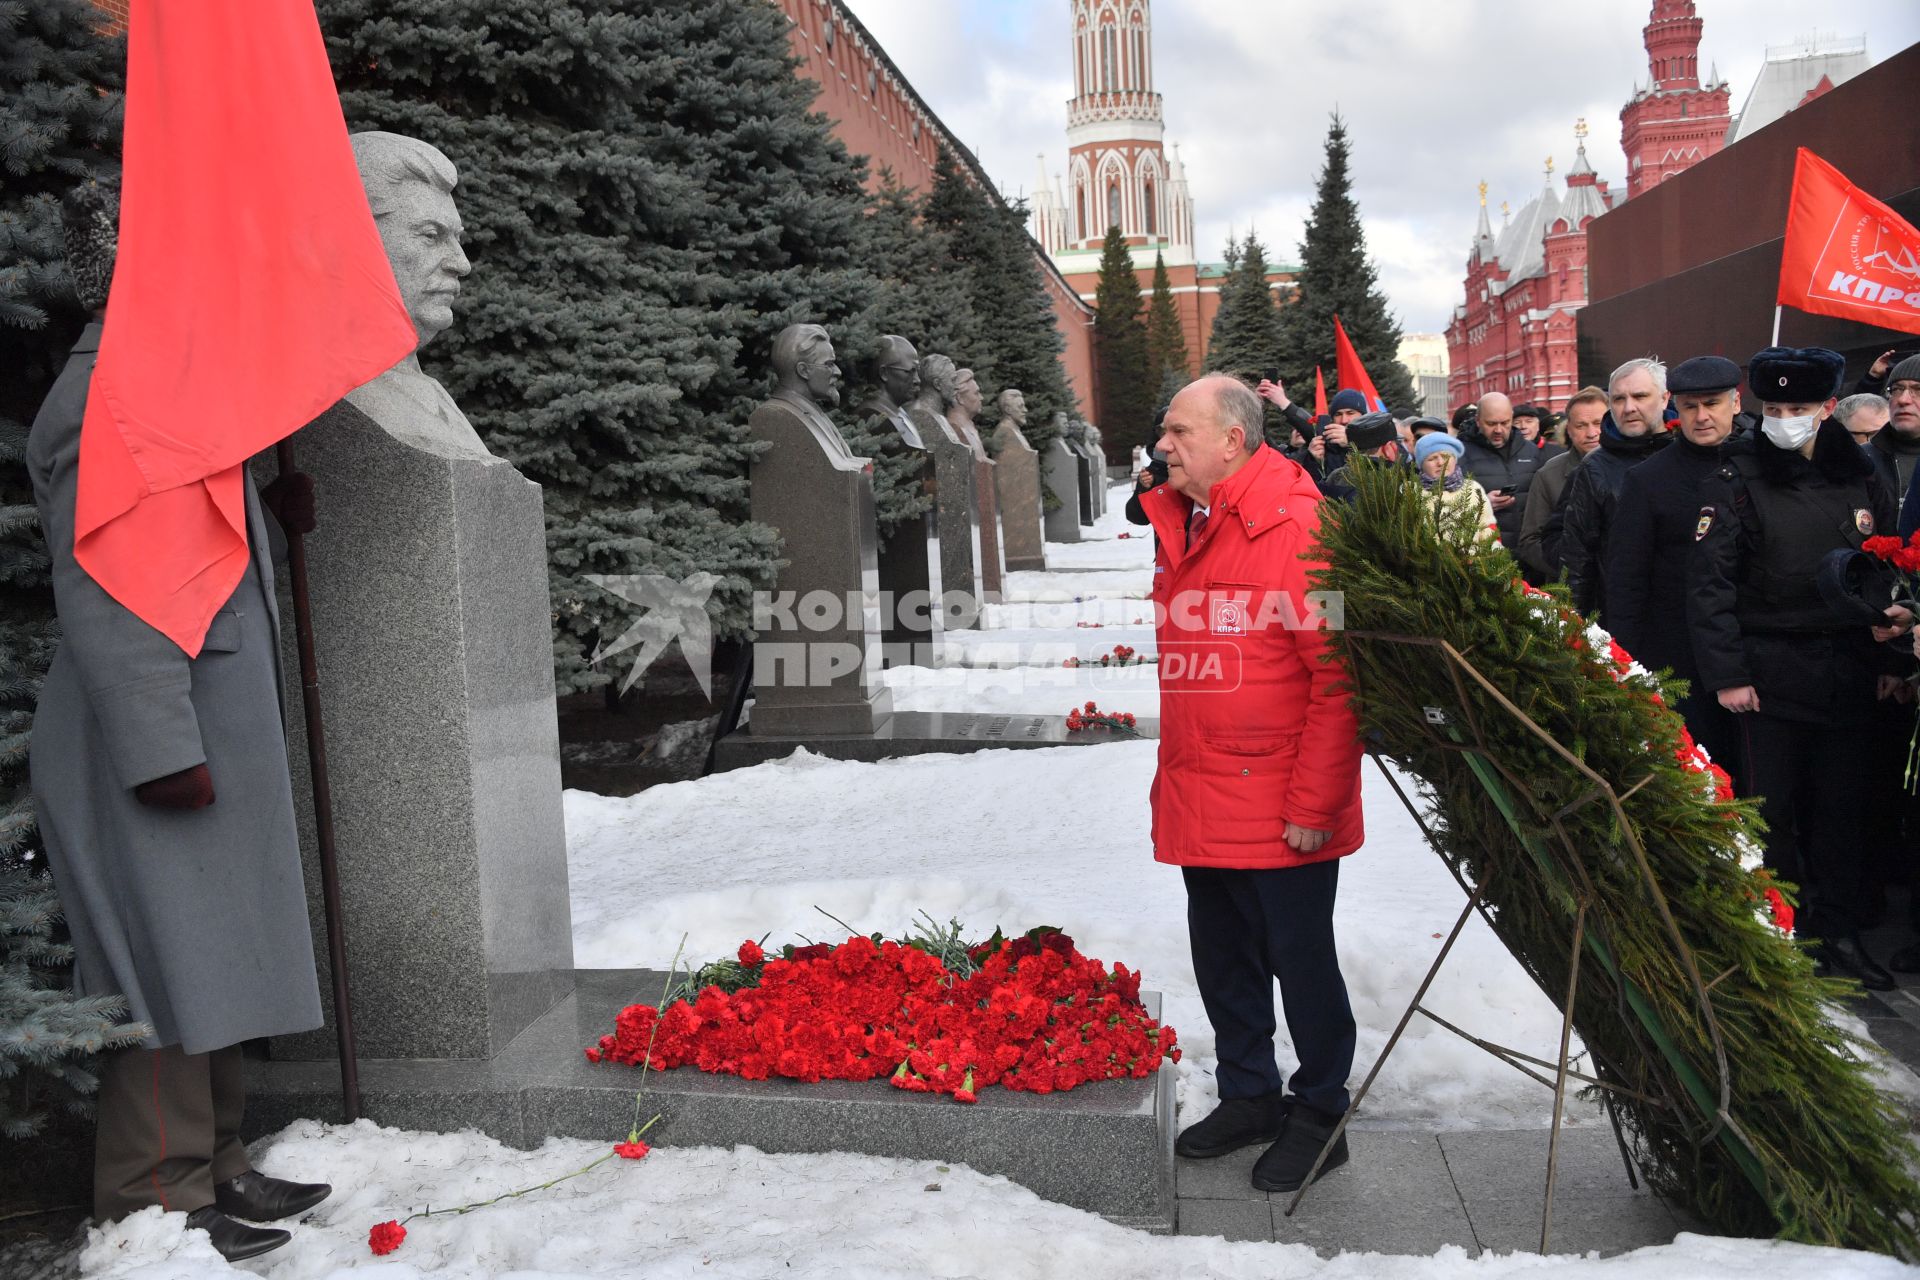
{"x":1559,"y":777}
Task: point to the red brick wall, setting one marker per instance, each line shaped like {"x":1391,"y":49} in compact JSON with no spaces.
{"x":116,"y":11}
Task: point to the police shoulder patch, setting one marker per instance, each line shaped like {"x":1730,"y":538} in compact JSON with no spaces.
{"x":1706,"y":522}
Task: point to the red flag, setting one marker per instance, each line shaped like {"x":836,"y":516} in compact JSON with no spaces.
{"x":1319,"y":395}
{"x":1353,"y":374}
{"x":1847,"y":254}
{"x":250,"y":292}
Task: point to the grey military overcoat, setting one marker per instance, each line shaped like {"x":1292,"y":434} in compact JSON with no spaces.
{"x":199,"y":918}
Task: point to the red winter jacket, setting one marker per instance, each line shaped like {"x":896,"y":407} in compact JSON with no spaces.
{"x":1253,"y":734}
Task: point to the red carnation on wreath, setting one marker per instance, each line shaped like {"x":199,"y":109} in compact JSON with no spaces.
{"x":750,"y":953}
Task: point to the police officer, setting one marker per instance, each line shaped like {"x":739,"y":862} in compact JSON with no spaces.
{"x":1645,"y":556}
{"x":1800,"y":684}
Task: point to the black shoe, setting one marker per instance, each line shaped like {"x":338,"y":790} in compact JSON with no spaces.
{"x":1235,"y":1123}
{"x":1906,"y":959}
{"x":257,"y":1198}
{"x":1283,"y":1166}
{"x":235,"y":1241}
{"x":1847,"y":958}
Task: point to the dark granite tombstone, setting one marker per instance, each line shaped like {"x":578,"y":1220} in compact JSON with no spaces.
{"x":993,"y":548}
{"x":816,"y":658}
{"x":909,"y":558}
{"x":1016,"y":476}
{"x":1060,"y":466}
{"x":956,"y":511}
{"x":1085,"y":475}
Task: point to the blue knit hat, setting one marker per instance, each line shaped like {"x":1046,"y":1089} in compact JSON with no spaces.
{"x":1433,"y":442}
{"x":1347,"y":399}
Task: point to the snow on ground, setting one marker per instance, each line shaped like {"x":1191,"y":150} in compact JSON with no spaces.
{"x":1011,"y":838}
{"x":1057,"y":836}
{"x":709,"y":1212}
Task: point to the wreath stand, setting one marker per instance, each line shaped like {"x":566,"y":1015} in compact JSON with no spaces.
{"x":1565,"y":882}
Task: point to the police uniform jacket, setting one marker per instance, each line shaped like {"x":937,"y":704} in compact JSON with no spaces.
{"x":1648,"y":545}
{"x":1766,"y":521}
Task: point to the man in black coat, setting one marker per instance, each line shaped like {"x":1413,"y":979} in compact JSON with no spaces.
{"x":1800,"y":680}
{"x":1633,"y":431}
{"x":1503,"y":461}
{"x":1652,"y":533}
{"x":1375,"y":435}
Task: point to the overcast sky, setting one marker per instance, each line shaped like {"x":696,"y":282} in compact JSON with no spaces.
{"x":1437,"y":94}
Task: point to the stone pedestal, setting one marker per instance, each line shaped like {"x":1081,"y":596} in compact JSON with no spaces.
{"x":1086,"y":484}
{"x":1016,"y":478}
{"x":816,"y":657}
{"x":909,"y":564}
{"x":433,"y":635}
{"x":1061,"y":467}
{"x":993,"y":543}
{"x":957,"y":520}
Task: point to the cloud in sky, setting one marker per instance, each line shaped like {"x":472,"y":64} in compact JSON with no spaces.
{"x":1437,"y":96}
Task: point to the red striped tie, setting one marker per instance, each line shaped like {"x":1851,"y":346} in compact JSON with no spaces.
{"x":1196,"y":524}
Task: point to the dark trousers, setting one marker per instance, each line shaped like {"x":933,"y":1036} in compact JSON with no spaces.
{"x":1814,"y":784}
{"x":168,"y":1129}
{"x":1247,"y":929}
{"x":1715,"y":728}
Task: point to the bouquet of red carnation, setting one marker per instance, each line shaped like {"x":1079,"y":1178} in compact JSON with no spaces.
{"x":933,"y":1014}
{"x":1092,"y":717}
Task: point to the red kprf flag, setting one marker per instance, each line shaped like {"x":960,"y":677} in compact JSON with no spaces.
{"x":1847,"y":254}
{"x":1353,"y":374}
{"x":250,"y":292}
{"x":1319,"y":395}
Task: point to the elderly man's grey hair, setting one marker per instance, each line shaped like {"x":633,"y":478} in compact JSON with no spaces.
{"x":1238,"y":407}
{"x":1655,"y":370}
{"x":388,"y":161}
{"x":1854,"y":404}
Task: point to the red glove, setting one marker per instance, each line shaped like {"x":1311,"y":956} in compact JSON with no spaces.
{"x":290,"y":499}
{"x":187,"y":789}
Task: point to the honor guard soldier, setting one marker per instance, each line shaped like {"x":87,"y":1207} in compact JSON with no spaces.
{"x":1799,"y":681}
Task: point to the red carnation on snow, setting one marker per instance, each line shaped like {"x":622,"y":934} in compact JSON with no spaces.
{"x":750,"y":953}
{"x":631,"y":1150}
{"x":385,"y":1237}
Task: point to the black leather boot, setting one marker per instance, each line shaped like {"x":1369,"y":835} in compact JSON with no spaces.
{"x":257,"y":1198}
{"x":1284,"y":1165}
{"x":236,"y":1241}
{"x":1235,"y":1123}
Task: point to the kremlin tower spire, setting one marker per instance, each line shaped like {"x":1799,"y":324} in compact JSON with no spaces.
{"x":1677,"y":121}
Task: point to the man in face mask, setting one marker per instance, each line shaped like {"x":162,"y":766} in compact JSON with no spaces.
{"x":1799,"y":679}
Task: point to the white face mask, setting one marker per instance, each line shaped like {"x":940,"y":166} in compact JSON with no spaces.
{"x":1790,"y":433}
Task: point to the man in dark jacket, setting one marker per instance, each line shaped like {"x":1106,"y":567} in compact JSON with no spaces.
{"x":1633,"y":432}
{"x":1375,"y":435}
{"x":1653,"y":531}
{"x":1503,"y":461}
{"x":1800,"y":680}
{"x":1530,"y":424}
{"x":1544,"y":519}
{"x":1896,"y":446}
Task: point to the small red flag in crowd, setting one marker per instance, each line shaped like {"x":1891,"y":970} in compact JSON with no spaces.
{"x":1353,"y":374}
{"x":250,"y":292}
{"x":1319,"y":395}
{"x":1847,"y":254}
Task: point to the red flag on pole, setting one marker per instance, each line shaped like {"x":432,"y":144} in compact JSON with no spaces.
{"x":1352,"y":374}
{"x":1319,"y":395}
{"x":250,"y":292}
{"x":1847,"y":254}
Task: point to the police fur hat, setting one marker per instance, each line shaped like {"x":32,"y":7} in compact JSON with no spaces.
{"x":1795,"y":375}
{"x":1347,"y":399}
{"x":1703,"y":374}
{"x":90,"y":232}
{"x":1372,"y":431}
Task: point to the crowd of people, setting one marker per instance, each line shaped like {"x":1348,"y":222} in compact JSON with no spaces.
{"x":1696,"y":513}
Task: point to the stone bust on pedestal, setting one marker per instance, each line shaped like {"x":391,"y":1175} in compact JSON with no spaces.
{"x":896,"y":384}
{"x":956,"y":506}
{"x":410,"y":189}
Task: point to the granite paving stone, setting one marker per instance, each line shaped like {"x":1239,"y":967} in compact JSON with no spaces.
{"x":1230,"y":1219}
{"x":1394,"y":1195}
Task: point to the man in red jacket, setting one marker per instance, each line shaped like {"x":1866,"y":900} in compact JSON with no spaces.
{"x":1258,"y":793}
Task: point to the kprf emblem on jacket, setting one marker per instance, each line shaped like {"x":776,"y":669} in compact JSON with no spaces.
{"x":1863,"y":520}
{"x":1229,"y":618}
{"x":1706,"y":523}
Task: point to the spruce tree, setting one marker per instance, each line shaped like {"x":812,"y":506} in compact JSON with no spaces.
{"x":60,"y":104}
{"x":1127,"y":377}
{"x":1245,"y":334}
{"x":1166,"y":338}
{"x":649,"y":200}
{"x":1336,"y":278}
